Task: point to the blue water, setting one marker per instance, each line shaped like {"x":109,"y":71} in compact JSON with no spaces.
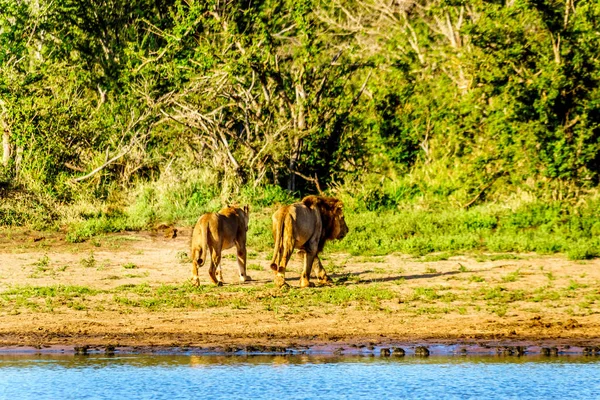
{"x":297,"y":377}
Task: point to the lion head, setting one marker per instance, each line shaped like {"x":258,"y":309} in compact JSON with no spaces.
{"x":332,"y":217}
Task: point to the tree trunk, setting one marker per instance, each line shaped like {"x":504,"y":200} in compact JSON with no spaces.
{"x":300,"y":126}
{"x":295,"y":156}
{"x":6,"y":149}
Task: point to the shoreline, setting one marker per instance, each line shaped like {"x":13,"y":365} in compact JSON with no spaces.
{"x":363,"y":346}
{"x":129,"y":294}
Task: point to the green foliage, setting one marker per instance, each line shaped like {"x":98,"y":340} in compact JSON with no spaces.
{"x":264,"y":196}
{"x":478,"y":133}
{"x":536,"y":227}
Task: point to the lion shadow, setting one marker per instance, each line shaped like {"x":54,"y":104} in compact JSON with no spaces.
{"x":341,"y":278}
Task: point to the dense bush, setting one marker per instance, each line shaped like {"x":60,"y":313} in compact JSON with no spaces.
{"x":431,"y":113}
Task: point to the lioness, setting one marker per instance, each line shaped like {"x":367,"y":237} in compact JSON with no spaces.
{"x":215,"y":232}
{"x":306,"y":226}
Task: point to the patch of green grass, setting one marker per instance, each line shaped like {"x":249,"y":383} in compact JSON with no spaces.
{"x":88,"y":262}
{"x":255,"y":267}
{"x":370,"y":259}
{"x":431,"y":270}
{"x":476,"y":278}
{"x":582,"y":251}
{"x":354,"y":295}
{"x":43,"y":262}
{"x":99,"y":223}
{"x":512,"y":277}
{"x":45,"y":298}
{"x":77,"y":305}
{"x":42,"y":266}
{"x":544,"y":293}
{"x":545,"y":228}
{"x":259,"y":236}
{"x":573,"y":285}
{"x":181,"y":296}
{"x":183,"y":257}
{"x":496,"y":257}
{"x":332,"y":268}
{"x":499,"y":295}
{"x":500,"y":310}
{"x":142,"y":275}
{"x":431,"y":310}
{"x":425,"y":294}
{"x":129,"y":266}
{"x":49,"y":291}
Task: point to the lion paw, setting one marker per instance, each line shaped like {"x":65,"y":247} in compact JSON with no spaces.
{"x":195,"y":281}
{"x":326,"y":281}
{"x":280,"y":281}
{"x":306,"y":283}
{"x":245,"y":278}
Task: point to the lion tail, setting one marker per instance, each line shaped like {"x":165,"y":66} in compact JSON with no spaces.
{"x":283,"y":233}
{"x":277,"y":235}
{"x":200,"y":252}
{"x":279,"y":230}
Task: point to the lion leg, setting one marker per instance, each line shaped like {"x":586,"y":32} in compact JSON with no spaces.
{"x":305,"y":276}
{"x":195,"y":278}
{"x":212,"y":268}
{"x":217,"y":268}
{"x":280,"y":272}
{"x":241,"y":259}
{"x":220,"y":275}
{"x":320,"y":272}
{"x":280,"y":275}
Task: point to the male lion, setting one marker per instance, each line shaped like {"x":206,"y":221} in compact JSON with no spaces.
{"x":306,"y":226}
{"x":215,"y":232}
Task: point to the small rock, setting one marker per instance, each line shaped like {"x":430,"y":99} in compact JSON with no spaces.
{"x":549,"y":351}
{"x":398,"y":351}
{"x":81,"y":350}
{"x":572,"y":324}
{"x":385,"y":352}
{"x":506,"y":350}
{"x":422,"y":351}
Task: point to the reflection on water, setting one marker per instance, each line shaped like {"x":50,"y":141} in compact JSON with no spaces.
{"x":296,"y":377}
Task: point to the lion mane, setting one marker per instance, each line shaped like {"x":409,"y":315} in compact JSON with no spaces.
{"x":306,"y":226}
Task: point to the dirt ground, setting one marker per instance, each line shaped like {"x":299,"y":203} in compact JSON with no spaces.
{"x":471,"y":299}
